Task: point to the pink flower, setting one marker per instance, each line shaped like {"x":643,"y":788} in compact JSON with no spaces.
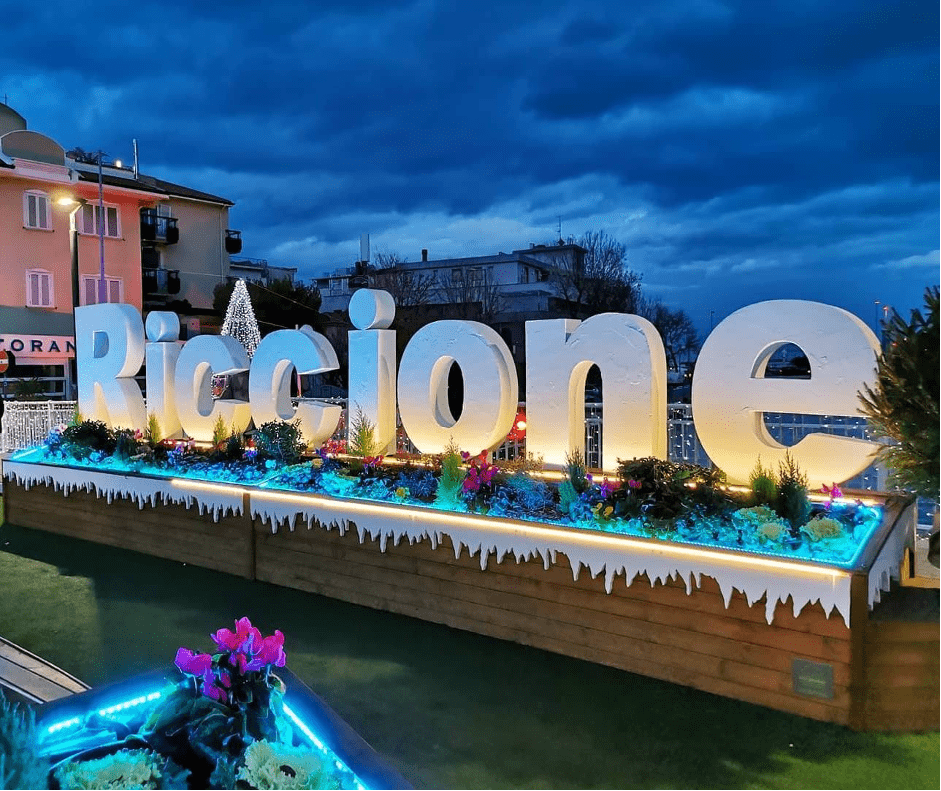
{"x":240,"y":640}
{"x":632,"y":484}
{"x":210,"y":690}
{"x":193,"y":663}
{"x":271,"y":651}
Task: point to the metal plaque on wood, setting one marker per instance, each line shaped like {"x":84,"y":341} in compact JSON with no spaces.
{"x":812,"y":678}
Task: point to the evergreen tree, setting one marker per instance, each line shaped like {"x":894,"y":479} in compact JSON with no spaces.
{"x":903,"y":405}
{"x":240,"y":320}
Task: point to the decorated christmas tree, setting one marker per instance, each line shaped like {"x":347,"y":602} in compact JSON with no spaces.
{"x":240,"y":320}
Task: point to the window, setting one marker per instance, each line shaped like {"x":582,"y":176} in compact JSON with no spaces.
{"x":36,"y":210}
{"x":88,"y":220}
{"x":114,"y":286}
{"x":39,"y":293}
{"x":457,"y":275}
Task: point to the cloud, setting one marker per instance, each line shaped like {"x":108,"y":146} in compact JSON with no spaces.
{"x":927,"y":261}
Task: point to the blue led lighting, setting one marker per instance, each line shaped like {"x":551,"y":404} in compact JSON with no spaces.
{"x":152,"y":696}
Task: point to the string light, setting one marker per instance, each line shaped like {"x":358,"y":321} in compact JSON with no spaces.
{"x":240,"y":321}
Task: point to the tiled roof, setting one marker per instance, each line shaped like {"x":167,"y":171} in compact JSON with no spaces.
{"x":152,"y":184}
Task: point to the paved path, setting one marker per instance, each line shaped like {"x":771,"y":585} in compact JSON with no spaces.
{"x":34,"y":678}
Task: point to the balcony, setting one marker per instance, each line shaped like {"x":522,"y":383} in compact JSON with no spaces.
{"x":160,"y":282}
{"x":158,"y":228}
{"x":233,"y":242}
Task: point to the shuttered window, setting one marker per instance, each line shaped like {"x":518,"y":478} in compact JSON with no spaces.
{"x":39,"y":289}
{"x":89,"y":220}
{"x":36,"y":210}
{"x":114,"y":287}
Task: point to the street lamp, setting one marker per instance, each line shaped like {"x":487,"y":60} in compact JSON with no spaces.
{"x":78,"y":203}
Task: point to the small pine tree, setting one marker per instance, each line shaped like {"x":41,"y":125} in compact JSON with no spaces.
{"x":764,"y":486}
{"x":452,"y":477}
{"x":575,"y":470}
{"x":362,"y":436}
{"x":154,"y":433}
{"x":219,"y":432}
{"x":903,"y":405}
{"x":240,"y":320}
{"x":792,"y":503}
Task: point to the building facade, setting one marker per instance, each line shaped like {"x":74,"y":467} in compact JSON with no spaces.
{"x":140,"y":240}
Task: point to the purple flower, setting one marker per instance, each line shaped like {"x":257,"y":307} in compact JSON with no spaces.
{"x":240,"y":640}
{"x":632,"y":484}
{"x":271,"y":651}
{"x":193,"y":663}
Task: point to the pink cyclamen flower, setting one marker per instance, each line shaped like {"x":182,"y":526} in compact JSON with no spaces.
{"x":210,"y":690}
{"x":271,"y":651}
{"x":193,"y":663}
{"x":244,"y":636}
{"x":632,"y":484}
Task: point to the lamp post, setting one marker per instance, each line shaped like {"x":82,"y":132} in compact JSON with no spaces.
{"x":78,"y":203}
{"x":102,"y":285}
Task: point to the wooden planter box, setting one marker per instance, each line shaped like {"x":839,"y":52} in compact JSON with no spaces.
{"x":717,"y":620}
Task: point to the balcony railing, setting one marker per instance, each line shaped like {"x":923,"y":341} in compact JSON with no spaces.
{"x":158,"y":228}
{"x":160,"y":281}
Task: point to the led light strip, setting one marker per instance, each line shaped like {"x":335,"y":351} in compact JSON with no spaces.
{"x":547,"y":533}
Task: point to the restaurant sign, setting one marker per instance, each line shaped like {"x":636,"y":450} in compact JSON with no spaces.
{"x":32,"y":348}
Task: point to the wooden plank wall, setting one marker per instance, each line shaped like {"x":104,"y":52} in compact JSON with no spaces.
{"x":660,"y":632}
{"x":885,"y":674}
{"x":902,"y":678}
{"x":174,"y":532}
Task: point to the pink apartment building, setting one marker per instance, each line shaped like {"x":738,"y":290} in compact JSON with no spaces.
{"x":161,"y":241}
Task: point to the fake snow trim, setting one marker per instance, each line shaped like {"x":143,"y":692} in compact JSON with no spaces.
{"x":753,"y":576}
{"x":209,"y":498}
{"x":887,"y":565}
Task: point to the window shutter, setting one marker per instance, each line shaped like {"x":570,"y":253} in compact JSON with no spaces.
{"x":112,"y":216}
{"x":42,"y":211}
{"x":90,"y":291}
{"x":45,"y":288}
{"x":88,"y":218}
{"x":114,"y":291}
{"x":33,"y":296}
{"x":31,"y":211}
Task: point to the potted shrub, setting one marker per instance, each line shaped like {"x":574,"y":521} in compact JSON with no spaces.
{"x":903,"y":404}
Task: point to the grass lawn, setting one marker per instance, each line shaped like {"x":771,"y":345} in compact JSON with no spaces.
{"x":447,"y":708}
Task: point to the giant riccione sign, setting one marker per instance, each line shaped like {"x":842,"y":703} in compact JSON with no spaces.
{"x":729,"y":394}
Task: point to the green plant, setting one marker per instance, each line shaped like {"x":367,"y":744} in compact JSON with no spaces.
{"x":575,"y":471}
{"x":219,"y":432}
{"x":452,"y":477}
{"x":76,"y":418}
{"x":125,"y":443}
{"x":234,"y":445}
{"x":154,"y":433}
{"x":792,"y":503}
{"x":664,"y":489}
{"x":28,"y":390}
{"x":362,"y":441}
{"x":764,"y":485}
{"x":903,"y":404}
{"x":82,"y":439}
{"x":280,"y":440}
{"x":20,"y":766}
{"x":124,"y":769}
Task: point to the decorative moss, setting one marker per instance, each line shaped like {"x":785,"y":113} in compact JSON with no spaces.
{"x":823,"y":527}
{"x":20,"y":766}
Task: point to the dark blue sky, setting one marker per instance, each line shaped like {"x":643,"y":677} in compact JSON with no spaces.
{"x":742,"y":151}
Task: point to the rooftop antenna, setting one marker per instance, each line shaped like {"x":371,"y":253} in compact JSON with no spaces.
{"x":561,"y":241}
{"x":136,"y":169}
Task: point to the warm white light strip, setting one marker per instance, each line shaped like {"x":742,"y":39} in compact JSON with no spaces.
{"x":571,"y":535}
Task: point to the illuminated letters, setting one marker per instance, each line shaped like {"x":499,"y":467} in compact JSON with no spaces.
{"x":372,"y":365}
{"x":110,"y":349}
{"x":629,"y":353}
{"x":730,"y":393}
{"x":163,"y":331}
{"x":269,"y":382}
{"x":199,"y":359}
{"x":490,"y":387}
